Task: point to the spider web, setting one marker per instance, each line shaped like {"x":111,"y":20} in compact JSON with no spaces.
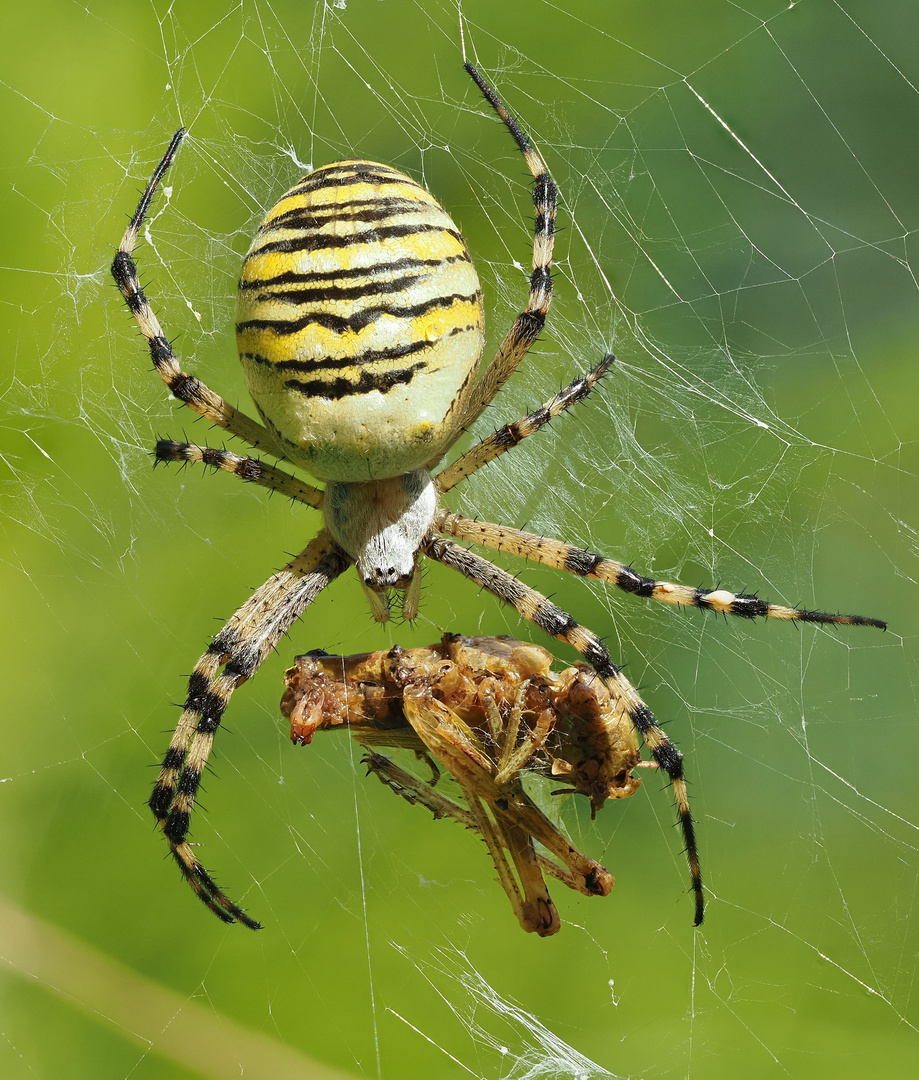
{"x":738,"y":213}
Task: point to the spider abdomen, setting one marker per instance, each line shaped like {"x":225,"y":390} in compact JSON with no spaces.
{"x":360,"y":323}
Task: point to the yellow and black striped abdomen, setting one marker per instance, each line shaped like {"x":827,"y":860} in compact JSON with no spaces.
{"x":360,"y":323}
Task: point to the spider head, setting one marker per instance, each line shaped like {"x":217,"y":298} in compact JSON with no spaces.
{"x":381,"y":525}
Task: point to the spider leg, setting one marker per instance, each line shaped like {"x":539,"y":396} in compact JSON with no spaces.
{"x":535,"y":607}
{"x":252,"y":470}
{"x":188,"y":389}
{"x":507,"y":437}
{"x":588,"y":564}
{"x":239,"y":649}
{"x":529,"y":323}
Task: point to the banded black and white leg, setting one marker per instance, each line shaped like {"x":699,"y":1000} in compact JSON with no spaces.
{"x":250,"y":470}
{"x":584,"y":563}
{"x":234,"y":656}
{"x":538,"y":609}
{"x":186,"y":388}
{"x":511,"y":435}
{"x":528,"y":325}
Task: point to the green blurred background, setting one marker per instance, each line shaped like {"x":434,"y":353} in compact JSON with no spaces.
{"x":738,"y":222}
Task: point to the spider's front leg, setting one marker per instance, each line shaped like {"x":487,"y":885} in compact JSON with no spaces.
{"x":535,"y":607}
{"x":239,"y":649}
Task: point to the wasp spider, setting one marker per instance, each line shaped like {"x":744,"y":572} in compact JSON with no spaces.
{"x":360,"y":331}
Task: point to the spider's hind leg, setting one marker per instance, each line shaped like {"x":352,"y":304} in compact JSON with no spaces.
{"x":187,"y":388}
{"x":528,"y":325}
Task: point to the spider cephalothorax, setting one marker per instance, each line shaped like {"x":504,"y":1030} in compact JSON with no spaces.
{"x":360,"y":332}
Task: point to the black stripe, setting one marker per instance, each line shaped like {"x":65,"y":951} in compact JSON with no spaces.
{"x":643,"y":719}
{"x":174,"y":758}
{"x":242,"y":667}
{"x":670,"y":759}
{"x":124,"y":271}
{"x":748,"y":606}
{"x":336,"y":389}
{"x":355,"y":165}
{"x":160,"y":801}
{"x":346,"y":178}
{"x":541,"y":276}
{"x":330,"y":363}
{"x":369,"y":236}
{"x":557,"y":623}
{"x":176,"y":827}
{"x":508,"y":436}
{"x":581,"y":562}
{"x":629,"y":581}
{"x":305,"y":218}
{"x":188,"y":782}
{"x":370,"y":356}
{"x":292,"y":277}
{"x":210,"y":707}
{"x":599,"y":659}
{"x":198,"y":684}
{"x":342,"y":292}
{"x":545,"y":191}
{"x":312,"y":217}
{"x":358,"y":321}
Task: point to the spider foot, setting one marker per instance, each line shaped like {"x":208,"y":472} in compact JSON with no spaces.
{"x":206,"y":889}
